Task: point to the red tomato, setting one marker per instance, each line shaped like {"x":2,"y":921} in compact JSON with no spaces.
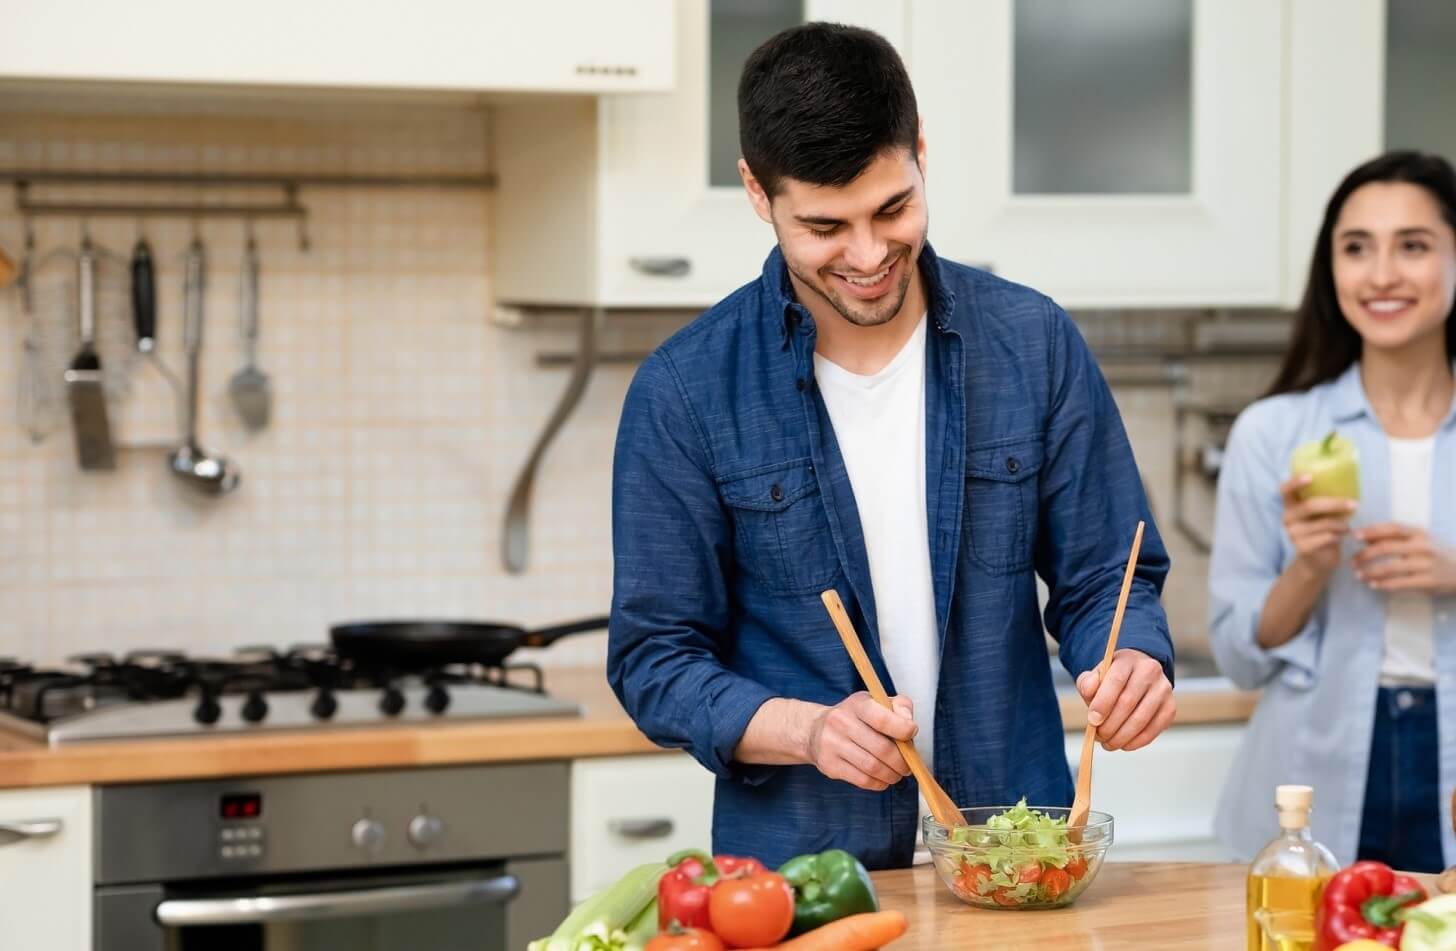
{"x":1030,"y":872}
{"x":976,"y":874}
{"x":1054,"y":883}
{"x":968,"y":879}
{"x":1077,"y":867}
{"x":753,"y":911}
{"x":685,"y":939}
{"x":1003,"y":896}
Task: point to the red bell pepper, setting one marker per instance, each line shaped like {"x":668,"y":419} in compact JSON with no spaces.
{"x":682,"y":894}
{"x":1361,"y":902}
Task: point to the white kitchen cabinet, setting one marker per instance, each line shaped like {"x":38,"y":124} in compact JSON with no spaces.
{"x":629,"y":810}
{"x":1162,"y":798}
{"x":1120,"y":157}
{"x":1364,"y":76}
{"x":633,"y":201}
{"x":45,"y":868}
{"x":577,"y":46}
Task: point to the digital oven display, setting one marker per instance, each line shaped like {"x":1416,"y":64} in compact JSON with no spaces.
{"x":241,"y":806}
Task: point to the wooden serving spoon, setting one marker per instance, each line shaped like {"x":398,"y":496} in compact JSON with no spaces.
{"x":940,"y":804}
{"x":1082,"y":803}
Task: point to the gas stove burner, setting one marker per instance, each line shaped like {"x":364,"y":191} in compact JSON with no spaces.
{"x":158,"y":692}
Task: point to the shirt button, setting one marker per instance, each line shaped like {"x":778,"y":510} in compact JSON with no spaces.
{"x":1404,"y":700}
{"x":776,"y":493}
{"x":1013,"y":464}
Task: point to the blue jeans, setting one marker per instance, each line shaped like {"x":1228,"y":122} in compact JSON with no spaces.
{"x":1402,"y":822}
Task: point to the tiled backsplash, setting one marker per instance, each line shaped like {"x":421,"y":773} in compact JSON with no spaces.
{"x":402,"y":412}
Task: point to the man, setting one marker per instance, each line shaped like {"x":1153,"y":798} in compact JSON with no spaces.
{"x":918,"y":435}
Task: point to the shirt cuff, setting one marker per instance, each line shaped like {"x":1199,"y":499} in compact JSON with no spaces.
{"x":724,"y":722}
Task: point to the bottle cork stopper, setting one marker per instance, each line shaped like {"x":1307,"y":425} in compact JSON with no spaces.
{"x":1294,"y":803}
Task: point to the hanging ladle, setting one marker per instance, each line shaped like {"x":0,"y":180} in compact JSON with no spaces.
{"x":191,"y":463}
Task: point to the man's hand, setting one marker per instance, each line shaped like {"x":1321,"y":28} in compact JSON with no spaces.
{"x":1402,"y":558}
{"x":855,"y":741}
{"x":1132,"y":705}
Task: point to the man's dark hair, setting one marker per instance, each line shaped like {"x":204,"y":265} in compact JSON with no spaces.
{"x":819,"y":102}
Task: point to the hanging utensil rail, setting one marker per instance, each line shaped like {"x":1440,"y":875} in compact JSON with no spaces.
{"x":288,"y":207}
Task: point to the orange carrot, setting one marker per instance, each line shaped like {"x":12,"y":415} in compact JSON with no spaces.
{"x":862,"y":932}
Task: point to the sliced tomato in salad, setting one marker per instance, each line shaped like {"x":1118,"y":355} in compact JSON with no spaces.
{"x":1054,"y":883}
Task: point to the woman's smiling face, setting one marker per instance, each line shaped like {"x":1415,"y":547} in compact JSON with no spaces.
{"x":1394,"y":260}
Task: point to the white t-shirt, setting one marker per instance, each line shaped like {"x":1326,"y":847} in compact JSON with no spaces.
{"x":879,"y":421}
{"x":1410,"y":653}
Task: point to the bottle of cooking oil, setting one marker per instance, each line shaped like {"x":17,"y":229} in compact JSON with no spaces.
{"x":1287,"y":876}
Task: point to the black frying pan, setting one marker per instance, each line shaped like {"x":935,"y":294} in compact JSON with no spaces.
{"x":416,"y":644}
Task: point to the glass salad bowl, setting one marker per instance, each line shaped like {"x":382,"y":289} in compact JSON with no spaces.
{"x":1018,"y":857}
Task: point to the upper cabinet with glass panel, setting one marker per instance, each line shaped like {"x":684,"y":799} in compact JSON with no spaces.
{"x":1109,"y":153}
{"x":1365,"y":76}
{"x":642,"y":198}
{"x":1420,"y":74}
{"x":1120,"y":133}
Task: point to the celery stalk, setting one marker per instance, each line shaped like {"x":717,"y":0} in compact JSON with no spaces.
{"x":592,"y":923}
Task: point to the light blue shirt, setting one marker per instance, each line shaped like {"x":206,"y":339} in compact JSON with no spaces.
{"x":1314,"y":721}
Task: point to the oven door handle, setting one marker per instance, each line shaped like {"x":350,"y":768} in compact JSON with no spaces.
{"x":365,"y":902}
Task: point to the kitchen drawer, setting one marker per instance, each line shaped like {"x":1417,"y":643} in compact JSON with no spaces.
{"x":45,"y":868}
{"x":628,"y":810}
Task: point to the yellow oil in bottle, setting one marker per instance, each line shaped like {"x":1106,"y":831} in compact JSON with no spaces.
{"x":1288,"y":905}
{"x":1287,"y":877}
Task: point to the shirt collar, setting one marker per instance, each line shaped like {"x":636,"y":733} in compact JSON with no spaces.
{"x":1347,"y":396}
{"x":1348,"y":400}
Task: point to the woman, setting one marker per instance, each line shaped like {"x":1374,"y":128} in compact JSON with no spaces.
{"x":1344,"y":613}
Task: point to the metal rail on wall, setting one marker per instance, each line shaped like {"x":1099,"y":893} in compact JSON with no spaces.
{"x":288,"y":204}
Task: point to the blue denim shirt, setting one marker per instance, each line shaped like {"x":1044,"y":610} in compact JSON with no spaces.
{"x":1316,"y":716}
{"x":732,"y":511}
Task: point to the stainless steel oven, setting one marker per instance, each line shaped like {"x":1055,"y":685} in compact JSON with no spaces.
{"x":443,"y":858}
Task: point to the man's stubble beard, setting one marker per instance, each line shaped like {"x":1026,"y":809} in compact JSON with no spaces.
{"x":843,"y":307}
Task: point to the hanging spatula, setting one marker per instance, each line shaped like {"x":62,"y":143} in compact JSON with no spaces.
{"x":83,"y":378}
{"x":249,"y":388}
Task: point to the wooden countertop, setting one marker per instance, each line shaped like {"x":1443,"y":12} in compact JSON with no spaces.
{"x":1130,"y":905}
{"x":603,"y":730}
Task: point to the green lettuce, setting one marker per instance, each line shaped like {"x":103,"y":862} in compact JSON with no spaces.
{"x":1011,"y":840}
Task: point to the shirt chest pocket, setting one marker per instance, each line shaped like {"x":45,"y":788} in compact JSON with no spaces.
{"x":1002,"y":498}
{"x":781,"y":532}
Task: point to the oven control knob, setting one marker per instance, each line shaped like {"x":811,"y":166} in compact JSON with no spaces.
{"x":392,"y":702}
{"x":255,"y":708}
{"x":437,"y":700}
{"x":207,"y":710}
{"x":368,"y":834}
{"x":325,"y":705}
{"x":425,"y":831}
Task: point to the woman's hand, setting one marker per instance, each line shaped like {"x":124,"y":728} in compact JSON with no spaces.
{"x":1402,"y":558}
{"x":1315,"y":526}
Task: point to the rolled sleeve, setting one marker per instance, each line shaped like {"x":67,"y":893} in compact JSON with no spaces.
{"x":1091,"y":501}
{"x":1247,"y":559}
{"x":670,"y":614}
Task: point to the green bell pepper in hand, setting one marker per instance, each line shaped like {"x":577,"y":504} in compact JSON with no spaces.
{"x":827,"y":886}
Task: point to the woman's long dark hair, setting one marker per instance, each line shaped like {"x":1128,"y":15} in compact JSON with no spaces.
{"x":1323,"y":344}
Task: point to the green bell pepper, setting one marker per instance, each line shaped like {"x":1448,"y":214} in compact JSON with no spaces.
{"x":827,"y":886}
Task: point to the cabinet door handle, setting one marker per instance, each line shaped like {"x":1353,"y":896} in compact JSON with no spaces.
{"x":658,"y":828}
{"x":12,"y":832}
{"x":662,"y":267}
